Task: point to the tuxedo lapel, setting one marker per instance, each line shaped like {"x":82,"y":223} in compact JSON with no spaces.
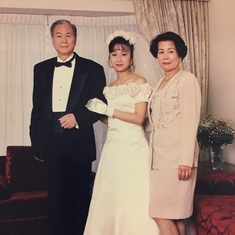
{"x":48,"y":83}
{"x":78,"y":82}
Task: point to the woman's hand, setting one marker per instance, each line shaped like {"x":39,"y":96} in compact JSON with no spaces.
{"x":184,"y":172}
{"x":98,"y":106}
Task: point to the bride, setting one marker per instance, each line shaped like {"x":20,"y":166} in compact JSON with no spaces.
{"x":120,"y":199}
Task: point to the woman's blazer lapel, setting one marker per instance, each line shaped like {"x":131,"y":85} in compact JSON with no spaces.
{"x":150,"y":101}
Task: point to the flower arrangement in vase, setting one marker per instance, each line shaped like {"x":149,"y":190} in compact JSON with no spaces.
{"x":215,"y":133}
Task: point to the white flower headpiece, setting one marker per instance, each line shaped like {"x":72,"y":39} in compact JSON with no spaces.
{"x":126,"y":35}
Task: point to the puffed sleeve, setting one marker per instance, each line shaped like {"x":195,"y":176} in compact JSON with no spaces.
{"x":144,"y":93}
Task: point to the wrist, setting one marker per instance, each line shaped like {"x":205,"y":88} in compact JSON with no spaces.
{"x":110,"y":112}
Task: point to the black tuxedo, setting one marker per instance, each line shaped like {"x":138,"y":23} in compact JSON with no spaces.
{"x":69,"y":153}
{"x":88,"y":82}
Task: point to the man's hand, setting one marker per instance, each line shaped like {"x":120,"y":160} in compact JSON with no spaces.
{"x":68,"y":121}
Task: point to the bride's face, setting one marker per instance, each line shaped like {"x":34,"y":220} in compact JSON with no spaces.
{"x":120,"y":58}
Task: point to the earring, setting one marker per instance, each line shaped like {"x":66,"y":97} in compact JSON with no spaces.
{"x":131,"y":66}
{"x":110,"y":65}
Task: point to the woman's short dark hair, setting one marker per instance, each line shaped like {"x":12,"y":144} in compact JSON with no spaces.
{"x":180,"y":46}
{"x":121,"y":41}
{"x":62,"y":21}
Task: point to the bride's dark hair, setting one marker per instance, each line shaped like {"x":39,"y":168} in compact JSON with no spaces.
{"x":123,"y":42}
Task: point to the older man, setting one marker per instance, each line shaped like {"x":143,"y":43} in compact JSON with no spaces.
{"x":61,"y":127}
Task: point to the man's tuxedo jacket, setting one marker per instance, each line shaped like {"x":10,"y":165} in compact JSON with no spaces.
{"x":88,"y":82}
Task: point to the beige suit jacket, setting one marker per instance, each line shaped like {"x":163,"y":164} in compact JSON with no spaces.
{"x":174,"y":114}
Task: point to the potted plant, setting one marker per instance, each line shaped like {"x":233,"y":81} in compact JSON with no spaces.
{"x":215,"y":133}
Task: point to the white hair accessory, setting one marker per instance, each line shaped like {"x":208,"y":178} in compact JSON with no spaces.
{"x":119,"y":33}
{"x":145,"y":64}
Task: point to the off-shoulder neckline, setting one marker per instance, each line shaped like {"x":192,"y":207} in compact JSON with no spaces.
{"x":134,"y":83}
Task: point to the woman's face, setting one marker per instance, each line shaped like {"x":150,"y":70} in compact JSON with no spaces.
{"x":120,"y":58}
{"x":167,"y":55}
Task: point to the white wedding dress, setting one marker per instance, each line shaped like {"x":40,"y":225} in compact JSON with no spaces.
{"x":119,"y":204}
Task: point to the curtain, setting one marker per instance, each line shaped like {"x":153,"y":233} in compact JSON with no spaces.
{"x":24,"y":41}
{"x":93,"y":32}
{"x":187,"y":18}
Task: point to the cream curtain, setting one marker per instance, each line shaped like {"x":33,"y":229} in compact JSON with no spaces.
{"x":25,"y":41}
{"x":93,"y":32}
{"x":187,"y":18}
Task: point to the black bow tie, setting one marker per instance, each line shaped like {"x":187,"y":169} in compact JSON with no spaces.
{"x":67,"y":63}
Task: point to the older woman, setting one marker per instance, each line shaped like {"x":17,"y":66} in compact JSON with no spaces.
{"x":174,"y":111}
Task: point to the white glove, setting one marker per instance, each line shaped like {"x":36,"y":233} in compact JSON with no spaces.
{"x":98,"y":106}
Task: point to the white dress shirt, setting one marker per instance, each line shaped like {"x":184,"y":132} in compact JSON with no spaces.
{"x":61,"y":85}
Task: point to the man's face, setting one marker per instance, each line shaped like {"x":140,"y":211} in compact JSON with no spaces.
{"x":64,"y":40}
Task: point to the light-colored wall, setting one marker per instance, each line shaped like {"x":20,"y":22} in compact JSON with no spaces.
{"x":222,"y":63}
{"x":69,"y":7}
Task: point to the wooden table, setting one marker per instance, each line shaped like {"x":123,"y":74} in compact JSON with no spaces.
{"x":204,"y":167}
